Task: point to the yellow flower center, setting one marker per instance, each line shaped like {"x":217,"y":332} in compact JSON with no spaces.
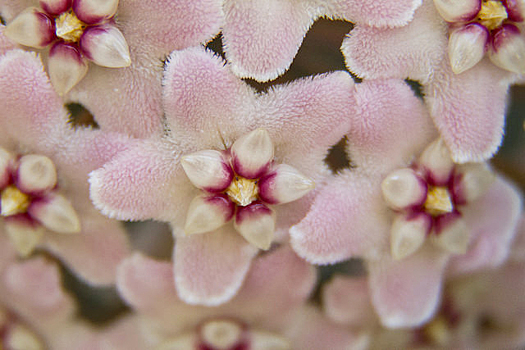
{"x":13,"y":201}
{"x":492,"y":14}
{"x":69,"y":27}
{"x":243,"y":191}
{"x":438,"y":201}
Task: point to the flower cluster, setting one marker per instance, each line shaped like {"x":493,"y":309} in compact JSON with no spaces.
{"x":232,"y":173}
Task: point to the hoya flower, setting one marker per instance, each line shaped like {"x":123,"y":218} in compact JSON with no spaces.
{"x":270,"y":311}
{"x":228,"y":157}
{"x":136,"y":35}
{"x":44,"y":164}
{"x":450,"y":47}
{"x":277,"y":28}
{"x":406,"y":208}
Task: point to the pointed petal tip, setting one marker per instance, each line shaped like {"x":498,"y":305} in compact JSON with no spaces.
{"x":207,"y":213}
{"x":56,"y":213}
{"x":207,"y":170}
{"x":106,"y":46}
{"x":509,"y":49}
{"x":66,"y":67}
{"x":467,"y":46}
{"x":256,"y":223}
{"x":31,"y":28}
{"x":252,"y":153}
{"x":408,"y":235}
{"x":284,"y":184}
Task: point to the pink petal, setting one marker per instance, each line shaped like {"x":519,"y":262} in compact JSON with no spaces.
{"x":493,"y":222}
{"x":31,"y":28}
{"x":106,"y":46}
{"x":142,"y":183}
{"x":95,"y":252}
{"x":375,"y":13}
{"x":94,"y":11}
{"x":458,"y":11}
{"x":469,"y":110}
{"x":348,"y":218}
{"x":273,"y":27}
{"x":410,"y":51}
{"x":202,"y":96}
{"x":55,"y":7}
{"x":405,"y":293}
{"x":7,"y":251}
{"x":6,"y":44}
{"x":210,"y":268}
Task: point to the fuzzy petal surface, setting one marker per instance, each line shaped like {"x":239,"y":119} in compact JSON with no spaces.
{"x":5,"y":43}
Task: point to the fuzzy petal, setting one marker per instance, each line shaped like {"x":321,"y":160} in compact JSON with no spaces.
{"x":6,"y":44}
{"x":210,"y":268}
{"x":492,"y":221}
{"x":405,"y":293}
{"x":275,"y":28}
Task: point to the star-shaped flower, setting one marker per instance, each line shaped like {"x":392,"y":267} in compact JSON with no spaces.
{"x":224,"y":144}
{"x":445,"y":48}
{"x":44,"y":165}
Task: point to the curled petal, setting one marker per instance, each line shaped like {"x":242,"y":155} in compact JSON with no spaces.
{"x":285,"y":184}
{"x":403,"y":188}
{"x":437,"y":162}
{"x":31,"y":28}
{"x":256,"y":223}
{"x":36,"y":173}
{"x":458,"y":10}
{"x":24,"y":235}
{"x":94,"y":11}
{"x":467,"y":46}
{"x":451,"y":234}
{"x":408,"y":234}
{"x":106,"y":46}
{"x":55,"y":7}
{"x":207,"y":213}
{"x":5,"y":160}
{"x":56,"y":213}
{"x":66,"y":67}
{"x":509,"y":49}
{"x":207,"y":170}
{"x":472,"y":181}
{"x":252,"y":153}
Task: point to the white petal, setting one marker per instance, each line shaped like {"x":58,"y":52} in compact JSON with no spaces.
{"x":95,"y":11}
{"x":265,"y":341}
{"x":458,"y":10}
{"x":106,"y":46}
{"x":66,"y":67}
{"x":36,"y":173}
{"x":403,"y":188}
{"x":436,"y":160}
{"x":183,"y":342}
{"x":56,"y":213}
{"x":509,"y":49}
{"x":24,"y":236}
{"x":55,"y":7}
{"x":252,"y":153}
{"x":408,"y":235}
{"x":285,"y":184}
{"x":5,"y":160}
{"x":466,"y":47}
{"x":474,"y":180}
{"x":221,"y":334}
{"x":207,"y":213}
{"x":20,"y":337}
{"x":452,"y":235}
{"x":207,"y":170}
{"x":256,"y":223}
{"x":31,"y":28}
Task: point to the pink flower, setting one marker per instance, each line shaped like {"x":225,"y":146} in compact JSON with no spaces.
{"x":44,"y":165}
{"x":444,"y":48}
{"x":277,"y":28}
{"x":406,"y":207}
{"x":270,"y":310}
{"x":126,"y":99}
{"x":216,"y":125}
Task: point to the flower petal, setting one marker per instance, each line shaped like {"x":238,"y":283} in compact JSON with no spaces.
{"x":467,"y":46}
{"x":509,"y":49}
{"x":36,"y":174}
{"x":210,"y":268}
{"x":94,"y":11}
{"x":256,"y":223}
{"x":452,"y":234}
{"x":284,"y":184}
{"x":5,"y":43}
{"x":25,"y":236}
{"x":408,"y":234}
{"x":106,"y":46}
{"x":471,"y":181}
{"x":56,"y":213}
{"x":458,"y":11}
{"x":404,"y":188}
{"x":260,"y":340}
{"x":66,"y":67}
{"x":207,"y":213}
{"x":55,"y":7}
{"x":406,"y":292}
{"x":207,"y":170}
{"x":31,"y":28}
{"x":274,"y":27}
{"x":437,"y":163}
{"x":5,"y":170}
{"x":252,"y":154}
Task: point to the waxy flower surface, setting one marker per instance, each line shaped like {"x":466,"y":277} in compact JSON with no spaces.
{"x":450,"y":47}
{"x":276,"y":28}
{"x":126,"y":99}
{"x":406,"y":208}
{"x":270,"y":311}
{"x":227,"y":147}
{"x":44,"y":165}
